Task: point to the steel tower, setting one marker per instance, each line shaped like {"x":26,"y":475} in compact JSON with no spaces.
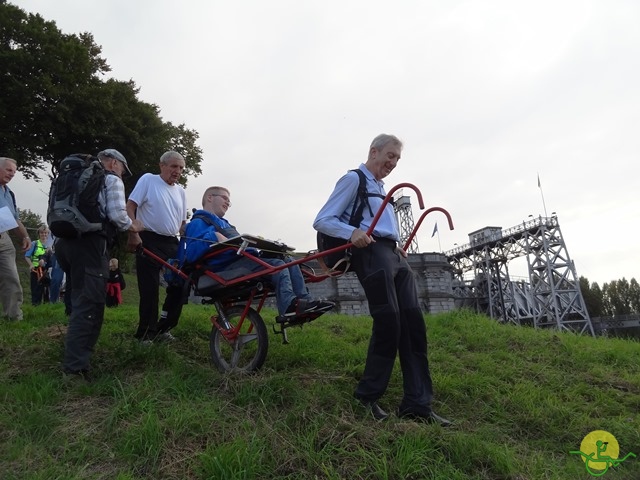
{"x":550,"y":298}
{"x":405,"y":221}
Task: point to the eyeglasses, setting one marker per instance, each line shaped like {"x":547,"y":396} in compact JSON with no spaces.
{"x":224,"y":197}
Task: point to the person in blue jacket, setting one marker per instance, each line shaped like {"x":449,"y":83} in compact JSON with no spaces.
{"x":208,"y":226}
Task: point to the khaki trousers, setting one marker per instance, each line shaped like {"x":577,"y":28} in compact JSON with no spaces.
{"x":10,"y":288}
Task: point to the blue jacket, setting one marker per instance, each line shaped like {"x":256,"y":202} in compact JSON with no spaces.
{"x":199,"y":235}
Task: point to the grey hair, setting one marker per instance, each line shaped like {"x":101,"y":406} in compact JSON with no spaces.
{"x":383,"y":139}
{"x":166,"y":156}
{"x":42,"y":229}
{"x":4,"y":160}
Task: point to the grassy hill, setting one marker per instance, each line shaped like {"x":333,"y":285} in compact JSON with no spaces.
{"x":522,"y":399}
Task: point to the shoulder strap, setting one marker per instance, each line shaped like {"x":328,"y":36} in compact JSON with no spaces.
{"x":361,"y":198}
{"x":13,"y":198}
{"x":205,"y":219}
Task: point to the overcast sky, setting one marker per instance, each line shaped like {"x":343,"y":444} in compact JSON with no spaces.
{"x":486,"y":95}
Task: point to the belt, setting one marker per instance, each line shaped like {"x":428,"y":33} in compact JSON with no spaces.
{"x":151,"y":232}
{"x":384,"y":240}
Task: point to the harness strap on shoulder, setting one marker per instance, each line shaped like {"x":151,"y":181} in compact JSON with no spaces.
{"x":13,"y":198}
{"x":362,"y":200}
{"x":205,"y":219}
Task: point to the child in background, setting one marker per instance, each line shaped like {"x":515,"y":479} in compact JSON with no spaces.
{"x":115,"y":284}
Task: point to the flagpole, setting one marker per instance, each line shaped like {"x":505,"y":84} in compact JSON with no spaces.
{"x":439,"y":246}
{"x":542,"y":195}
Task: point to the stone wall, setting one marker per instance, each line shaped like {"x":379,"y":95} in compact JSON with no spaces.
{"x":434,"y":277}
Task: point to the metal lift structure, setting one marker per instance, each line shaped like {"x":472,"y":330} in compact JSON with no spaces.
{"x":550,"y":298}
{"x":405,"y":221}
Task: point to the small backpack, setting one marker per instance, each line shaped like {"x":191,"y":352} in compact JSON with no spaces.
{"x":340,"y":260}
{"x":73,"y":198}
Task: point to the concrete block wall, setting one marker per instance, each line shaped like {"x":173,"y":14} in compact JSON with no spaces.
{"x":434,"y":279}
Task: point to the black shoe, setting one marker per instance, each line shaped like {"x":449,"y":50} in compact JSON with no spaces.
{"x":300,"y":306}
{"x":376,"y":411}
{"x":75,"y":375}
{"x":322,"y":306}
{"x":430,"y":417}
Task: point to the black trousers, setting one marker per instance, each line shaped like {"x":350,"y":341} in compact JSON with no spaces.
{"x":37,"y":290}
{"x":398,"y":327}
{"x":148,"y":273}
{"x":86,"y":264}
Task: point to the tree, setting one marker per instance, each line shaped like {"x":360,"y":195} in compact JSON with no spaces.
{"x":32,"y":221}
{"x":54,"y":102}
{"x":597,"y":304}
{"x":592,"y":297}
{"x":634,"y":296}
{"x":618,"y":297}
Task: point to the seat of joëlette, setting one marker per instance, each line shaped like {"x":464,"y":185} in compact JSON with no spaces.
{"x":208,"y":286}
{"x":205,"y":283}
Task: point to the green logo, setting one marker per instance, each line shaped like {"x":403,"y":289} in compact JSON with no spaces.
{"x":599,"y":451}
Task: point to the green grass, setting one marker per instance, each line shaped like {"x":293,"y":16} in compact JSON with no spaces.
{"x":521,"y":399}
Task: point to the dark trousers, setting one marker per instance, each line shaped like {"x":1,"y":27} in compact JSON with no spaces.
{"x":86,"y":263}
{"x":38,"y":291}
{"x":398,"y":327}
{"x":148,"y":273}
{"x":56,"y":280}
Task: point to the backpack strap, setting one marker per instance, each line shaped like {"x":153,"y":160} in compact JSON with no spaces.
{"x":362,"y":200}
{"x":13,"y":198}
{"x":228,"y":232}
{"x":205,"y":219}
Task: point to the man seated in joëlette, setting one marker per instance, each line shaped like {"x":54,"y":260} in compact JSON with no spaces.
{"x":208,"y":226}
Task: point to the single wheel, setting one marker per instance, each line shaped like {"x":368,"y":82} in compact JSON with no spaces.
{"x":248,"y":350}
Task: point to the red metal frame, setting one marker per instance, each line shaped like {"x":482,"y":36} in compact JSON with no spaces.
{"x":231,"y":335}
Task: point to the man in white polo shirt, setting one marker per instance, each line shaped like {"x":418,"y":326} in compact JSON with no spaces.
{"x":161,"y":204}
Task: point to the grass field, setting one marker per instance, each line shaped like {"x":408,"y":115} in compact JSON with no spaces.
{"x":522,"y":399}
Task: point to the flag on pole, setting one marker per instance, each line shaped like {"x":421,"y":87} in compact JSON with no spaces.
{"x":539,"y":181}
{"x":435,"y":230}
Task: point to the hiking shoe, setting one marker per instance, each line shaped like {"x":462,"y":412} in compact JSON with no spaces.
{"x":374,"y":410}
{"x":301,"y":306}
{"x":425,"y":417}
{"x":165,"y":337}
{"x":76,"y":375}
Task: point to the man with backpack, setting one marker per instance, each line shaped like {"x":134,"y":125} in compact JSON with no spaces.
{"x":389,"y":284}
{"x":85,"y":260}
{"x":11,"y":295}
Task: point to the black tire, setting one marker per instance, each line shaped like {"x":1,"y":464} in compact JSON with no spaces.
{"x":248,"y":351}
